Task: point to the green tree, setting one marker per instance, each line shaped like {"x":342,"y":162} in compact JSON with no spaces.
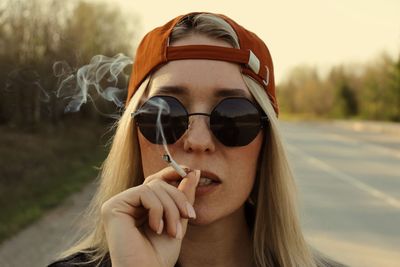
{"x":379,"y":93}
{"x":304,"y":92}
{"x":394,"y":84}
{"x":345,"y":100}
{"x":96,"y":28}
{"x":37,"y":33}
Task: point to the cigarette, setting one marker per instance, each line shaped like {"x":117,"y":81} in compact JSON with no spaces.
{"x":171,"y":162}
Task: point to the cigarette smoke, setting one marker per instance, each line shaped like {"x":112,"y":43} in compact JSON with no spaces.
{"x":104,"y":74}
{"x":162,"y":109}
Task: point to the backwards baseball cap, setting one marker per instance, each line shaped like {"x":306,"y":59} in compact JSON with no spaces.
{"x":253,"y":55}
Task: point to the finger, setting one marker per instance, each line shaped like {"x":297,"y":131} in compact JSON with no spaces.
{"x":188,"y":187}
{"x":181,"y":201}
{"x":171,"y":212}
{"x":156,"y":210}
{"x":189,"y":184}
{"x":166,"y":174}
{"x":130,"y":201}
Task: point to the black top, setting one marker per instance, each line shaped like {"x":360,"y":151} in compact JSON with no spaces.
{"x":75,"y":259}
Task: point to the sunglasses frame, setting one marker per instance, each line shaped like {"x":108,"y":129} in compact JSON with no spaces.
{"x":263,"y":118}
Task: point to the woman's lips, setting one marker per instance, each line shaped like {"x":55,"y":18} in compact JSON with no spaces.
{"x":205,"y":186}
{"x":210,"y":175}
{"x":204,"y":174}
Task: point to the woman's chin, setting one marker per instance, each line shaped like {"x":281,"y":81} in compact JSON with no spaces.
{"x":205,"y":213}
{"x":200,"y":221}
{"x":203,"y":217}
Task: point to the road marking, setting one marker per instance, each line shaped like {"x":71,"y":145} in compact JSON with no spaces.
{"x":391,"y":201}
{"x":375,"y":148}
{"x":349,"y":250}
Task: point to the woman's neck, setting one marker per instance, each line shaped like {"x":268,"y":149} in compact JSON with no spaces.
{"x":226,"y":242}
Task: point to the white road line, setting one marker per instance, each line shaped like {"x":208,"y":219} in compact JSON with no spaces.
{"x":375,"y":148}
{"x":391,"y":201}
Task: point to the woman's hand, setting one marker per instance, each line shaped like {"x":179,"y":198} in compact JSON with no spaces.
{"x":145,"y":225}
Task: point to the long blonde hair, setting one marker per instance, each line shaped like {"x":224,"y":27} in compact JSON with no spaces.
{"x":276,"y":232}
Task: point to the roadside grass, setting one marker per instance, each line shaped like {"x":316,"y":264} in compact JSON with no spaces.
{"x":38,"y":171}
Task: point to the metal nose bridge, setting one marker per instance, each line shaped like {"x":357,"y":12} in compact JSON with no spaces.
{"x":199,"y":113}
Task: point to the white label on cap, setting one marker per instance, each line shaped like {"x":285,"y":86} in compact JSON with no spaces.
{"x":266,"y":81}
{"x":254,"y":63}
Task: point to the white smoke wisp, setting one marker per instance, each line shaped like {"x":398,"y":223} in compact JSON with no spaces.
{"x":163,"y":108}
{"x":103,"y":74}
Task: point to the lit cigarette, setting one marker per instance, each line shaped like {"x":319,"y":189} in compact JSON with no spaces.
{"x":171,"y":162}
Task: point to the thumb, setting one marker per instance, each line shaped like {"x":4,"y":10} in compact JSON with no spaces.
{"x":188,"y":185}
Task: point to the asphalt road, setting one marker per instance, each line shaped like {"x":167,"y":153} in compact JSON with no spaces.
{"x":349,"y":194}
{"x":349,"y":191}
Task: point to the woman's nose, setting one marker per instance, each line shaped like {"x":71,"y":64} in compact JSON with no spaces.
{"x":198,"y":137}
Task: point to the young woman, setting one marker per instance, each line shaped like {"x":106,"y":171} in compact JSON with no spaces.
{"x":204,"y":86}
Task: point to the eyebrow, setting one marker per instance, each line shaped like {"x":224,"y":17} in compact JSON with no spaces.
{"x":220,"y":92}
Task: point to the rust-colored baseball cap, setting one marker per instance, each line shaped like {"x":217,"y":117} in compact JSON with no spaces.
{"x":253,"y":55}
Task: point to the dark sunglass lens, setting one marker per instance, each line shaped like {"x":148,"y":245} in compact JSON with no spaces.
{"x":235,"y":122}
{"x":166,"y":112}
{"x":174,"y":121}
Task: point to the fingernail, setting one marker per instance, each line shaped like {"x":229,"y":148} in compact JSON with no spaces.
{"x":190,"y":210}
{"x":160,"y":227}
{"x":179,"y":231}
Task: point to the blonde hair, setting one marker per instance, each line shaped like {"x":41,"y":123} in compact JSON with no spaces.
{"x":276,"y":232}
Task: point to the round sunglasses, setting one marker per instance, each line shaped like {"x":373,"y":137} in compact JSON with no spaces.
{"x":234,"y":121}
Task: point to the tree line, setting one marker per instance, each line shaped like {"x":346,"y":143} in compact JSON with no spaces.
{"x":365,"y":91}
{"x":34,"y":34}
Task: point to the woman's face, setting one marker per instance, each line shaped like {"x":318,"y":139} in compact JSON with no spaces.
{"x":206,"y":83}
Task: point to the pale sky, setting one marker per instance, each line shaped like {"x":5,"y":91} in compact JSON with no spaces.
{"x":319,"y":33}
